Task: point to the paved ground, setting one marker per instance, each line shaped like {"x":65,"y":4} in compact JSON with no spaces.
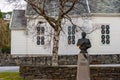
{"x":9,"y":69}
{"x":16,"y":68}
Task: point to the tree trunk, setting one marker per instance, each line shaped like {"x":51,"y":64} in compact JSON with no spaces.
{"x":55,"y":48}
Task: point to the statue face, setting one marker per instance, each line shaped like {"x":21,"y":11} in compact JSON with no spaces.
{"x":83,"y":34}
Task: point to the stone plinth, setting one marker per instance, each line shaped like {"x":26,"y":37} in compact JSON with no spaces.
{"x":83,"y":72}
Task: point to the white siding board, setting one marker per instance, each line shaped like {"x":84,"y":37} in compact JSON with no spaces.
{"x":114,"y":46}
{"x":33,"y":48}
{"x":20,"y":43}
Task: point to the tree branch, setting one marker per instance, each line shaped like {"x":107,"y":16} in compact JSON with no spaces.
{"x":69,"y":18}
{"x":71,"y":7}
{"x":41,"y":12}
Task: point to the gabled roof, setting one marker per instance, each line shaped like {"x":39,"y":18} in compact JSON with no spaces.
{"x":96,"y":6}
{"x":104,"y":6}
{"x":18,"y":21}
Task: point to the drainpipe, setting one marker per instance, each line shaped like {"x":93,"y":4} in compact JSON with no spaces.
{"x":88,"y":7}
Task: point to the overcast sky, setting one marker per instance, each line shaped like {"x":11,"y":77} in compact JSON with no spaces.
{"x":7,"y":7}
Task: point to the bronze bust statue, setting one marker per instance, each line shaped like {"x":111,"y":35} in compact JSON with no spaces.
{"x":84,"y":44}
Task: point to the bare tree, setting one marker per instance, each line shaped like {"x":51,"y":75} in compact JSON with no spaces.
{"x":63,"y":9}
{"x":40,"y":7}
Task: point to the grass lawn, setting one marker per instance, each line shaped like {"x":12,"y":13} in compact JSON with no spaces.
{"x":9,"y":76}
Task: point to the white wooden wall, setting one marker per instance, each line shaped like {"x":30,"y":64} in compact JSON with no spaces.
{"x":114,"y":46}
{"x":23,"y":44}
{"x":18,"y":42}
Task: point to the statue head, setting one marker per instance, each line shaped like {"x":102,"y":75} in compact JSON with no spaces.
{"x":83,"y":34}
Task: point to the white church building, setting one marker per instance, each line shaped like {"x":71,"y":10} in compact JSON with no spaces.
{"x":35,"y":38}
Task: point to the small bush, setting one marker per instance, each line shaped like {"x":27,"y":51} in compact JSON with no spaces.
{"x":5,"y":49}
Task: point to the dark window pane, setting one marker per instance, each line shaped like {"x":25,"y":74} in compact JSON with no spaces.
{"x":73,"y":29}
{"x":107,"y":27}
{"x":107,"y":41}
{"x":40,"y":22}
{"x":38,"y":42}
{"x":107,"y":32}
{"x":42,"y":30}
{"x":69,"y":42}
{"x":103,"y":36}
{"x":38,"y":38}
{"x":38,"y":29}
{"x":69,"y":37}
{"x":103,"y":27}
{"x":73,"y":41}
{"x":73,"y":37}
{"x":69,"y":30}
{"x":103,"y":31}
{"x":42,"y":40}
{"x":73,"y":32}
{"x":103,"y":41}
{"x":42,"y":37}
{"x":107,"y":37}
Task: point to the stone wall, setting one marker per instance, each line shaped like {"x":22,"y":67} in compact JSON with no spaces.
{"x":68,"y":73}
{"x":9,"y":60}
{"x":105,"y":73}
{"x":105,"y":59}
{"x":48,"y":72}
{"x":40,"y":67}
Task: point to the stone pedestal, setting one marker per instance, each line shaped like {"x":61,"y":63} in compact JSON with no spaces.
{"x":83,"y":71}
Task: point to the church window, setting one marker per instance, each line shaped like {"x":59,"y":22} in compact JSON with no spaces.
{"x":69,"y":39}
{"x":105,"y":34}
{"x":42,"y":30}
{"x":38,"y":30}
{"x":40,"y":35}
{"x":42,"y":40}
{"x":71,"y":35}
{"x":38,"y":42}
